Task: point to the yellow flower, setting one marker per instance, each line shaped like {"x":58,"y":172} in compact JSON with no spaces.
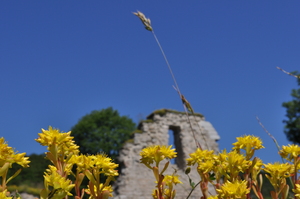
{"x":205,"y":159}
{"x":3,"y":195}
{"x":249,"y":144}
{"x":171,"y":179}
{"x":100,"y":163}
{"x":207,"y":166}
{"x":278,"y":170}
{"x":61,"y":185}
{"x":200,"y":156}
{"x":290,"y":152}
{"x":297,"y":191}
{"x":5,"y":150}
{"x":232,"y":163}
{"x":154,"y":194}
{"x":156,"y":154}
{"x":277,"y":173}
{"x":64,"y":142}
{"x":82,"y":162}
{"x":93,"y":166}
{"x":7,"y":154}
{"x":104,"y":164}
{"x":21,"y":159}
{"x":236,"y":189}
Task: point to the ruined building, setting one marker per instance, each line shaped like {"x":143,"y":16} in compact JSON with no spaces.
{"x":136,"y":181}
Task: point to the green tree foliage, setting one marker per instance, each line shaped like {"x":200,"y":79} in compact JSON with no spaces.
{"x":102,"y":131}
{"x":292,"y":127}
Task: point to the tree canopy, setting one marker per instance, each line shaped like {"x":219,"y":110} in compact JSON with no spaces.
{"x":292,"y":127}
{"x":102,"y":131}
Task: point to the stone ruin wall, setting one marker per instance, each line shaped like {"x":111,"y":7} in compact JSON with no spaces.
{"x":136,"y":181}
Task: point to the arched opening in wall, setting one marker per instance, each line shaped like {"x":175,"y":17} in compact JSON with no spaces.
{"x":175,"y":141}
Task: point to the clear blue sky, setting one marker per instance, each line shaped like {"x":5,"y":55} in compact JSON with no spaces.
{"x":60,"y":60}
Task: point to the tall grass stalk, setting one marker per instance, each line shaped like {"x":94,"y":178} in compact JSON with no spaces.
{"x":186,"y":105}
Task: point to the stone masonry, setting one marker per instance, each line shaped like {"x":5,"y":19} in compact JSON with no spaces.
{"x":136,"y":181}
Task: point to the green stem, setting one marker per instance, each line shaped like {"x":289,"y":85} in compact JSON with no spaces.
{"x":192,"y":190}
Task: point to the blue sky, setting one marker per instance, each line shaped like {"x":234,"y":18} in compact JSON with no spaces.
{"x":62,"y":59}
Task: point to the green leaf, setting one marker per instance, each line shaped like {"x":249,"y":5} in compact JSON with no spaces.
{"x":212,"y":176}
{"x":192,"y":184}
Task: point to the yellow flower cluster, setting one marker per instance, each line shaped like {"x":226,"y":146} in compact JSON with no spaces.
{"x":290,"y":152}
{"x":63,"y":141}
{"x":63,"y":153}
{"x":249,"y":144}
{"x":240,"y":172}
{"x":224,"y":170}
{"x":99,"y":162}
{"x":7,"y":158}
{"x":297,"y":191}
{"x":278,"y":173}
{"x":61,"y":148}
{"x":206,"y":161}
{"x":234,"y":190}
{"x":4,"y":195}
{"x":157,"y":154}
{"x":61,"y":185}
{"x":8,"y":155}
{"x":233,"y":163}
{"x":171,"y":179}
{"x":233,"y":174}
{"x":168,"y":187}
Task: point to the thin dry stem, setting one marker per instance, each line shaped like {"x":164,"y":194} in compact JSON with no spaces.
{"x":167,"y":62}
{"x":186,"y":105}
{"x":188,"y":108}
{"x":202,"y":134}
{"x":275,"y":141}
{"x":176,"y":85}
{"x":187,"y":115}
{"x":269,"y":134}
{"x":297,"y":76}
